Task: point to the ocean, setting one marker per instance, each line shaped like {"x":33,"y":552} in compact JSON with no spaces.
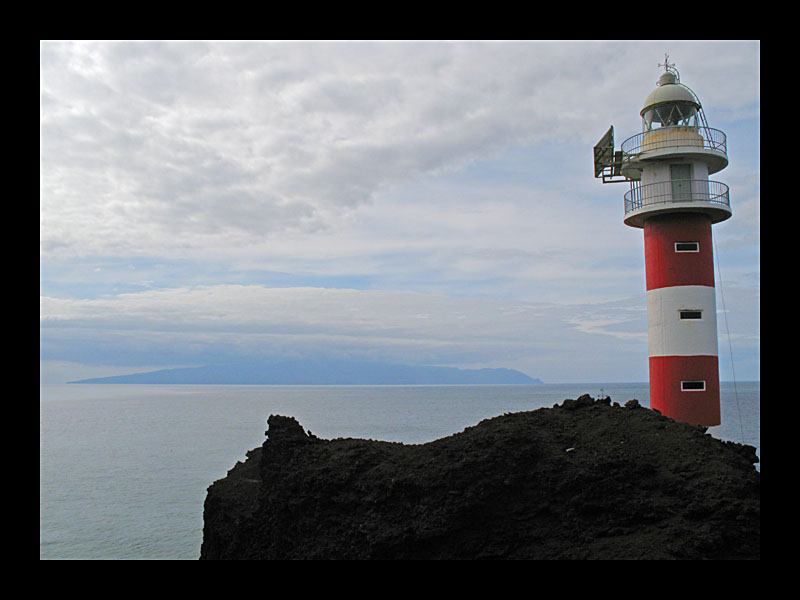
{"x":124,"y":469}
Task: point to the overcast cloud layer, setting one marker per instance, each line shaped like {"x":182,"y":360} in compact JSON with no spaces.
{"x":426,"y":201}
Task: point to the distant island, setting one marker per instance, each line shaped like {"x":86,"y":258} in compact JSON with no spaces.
{"x":320,"y":372}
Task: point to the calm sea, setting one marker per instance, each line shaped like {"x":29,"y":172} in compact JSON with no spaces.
{"x":124,"y":468}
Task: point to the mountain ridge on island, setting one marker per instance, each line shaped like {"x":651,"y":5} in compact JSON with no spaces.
{"x":321,"y":372}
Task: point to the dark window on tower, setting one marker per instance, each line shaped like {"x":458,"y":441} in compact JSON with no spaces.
{"x":687,"y":246}
{"x":691,"y":314}
{"x":693,"y":386}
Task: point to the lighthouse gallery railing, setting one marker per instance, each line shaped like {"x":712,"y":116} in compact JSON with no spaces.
{"x":673,"y":137}
{"x":676,"y":190}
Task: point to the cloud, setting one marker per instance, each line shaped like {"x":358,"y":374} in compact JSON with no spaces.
{"x":175,"y":146}
{"x":400,"y":326}
{"x":209,"y":324}
{"x":183,"y":182}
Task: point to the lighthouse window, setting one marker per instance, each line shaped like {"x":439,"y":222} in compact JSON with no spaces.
{"x":691,"y":314}
{"x":693,"y":386}
{"x":670,"y":115}
{"x":687,"y":246}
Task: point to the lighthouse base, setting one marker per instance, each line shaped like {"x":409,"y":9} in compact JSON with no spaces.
{"x":686,"y":388}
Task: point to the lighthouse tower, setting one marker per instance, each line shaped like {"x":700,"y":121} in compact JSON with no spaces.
{"x":674,"y":202}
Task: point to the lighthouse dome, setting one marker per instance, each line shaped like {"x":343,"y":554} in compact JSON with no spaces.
{"x":669,"y":93}
{"x":670,"y":104}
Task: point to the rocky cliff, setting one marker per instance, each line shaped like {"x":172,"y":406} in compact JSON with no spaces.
{"x":586,"y":479}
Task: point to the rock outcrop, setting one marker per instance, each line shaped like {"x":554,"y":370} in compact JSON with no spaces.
{"x":582,"y":480}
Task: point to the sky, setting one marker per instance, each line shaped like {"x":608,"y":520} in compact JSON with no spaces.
{"x":414,"y":202}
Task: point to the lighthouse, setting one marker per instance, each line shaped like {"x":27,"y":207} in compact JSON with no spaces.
{"x":673,"y":200}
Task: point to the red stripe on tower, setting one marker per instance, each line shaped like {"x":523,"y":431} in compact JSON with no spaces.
{"x":697,"y":404}
{"x":691,"y":264}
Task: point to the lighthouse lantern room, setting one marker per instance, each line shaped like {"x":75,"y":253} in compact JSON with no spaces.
{"x":674,"y":202}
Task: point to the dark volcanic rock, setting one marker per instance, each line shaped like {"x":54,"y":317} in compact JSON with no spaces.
{"x":584,"y":480}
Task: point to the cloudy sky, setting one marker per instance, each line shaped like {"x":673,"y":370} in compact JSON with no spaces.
{"x":413,"y":202}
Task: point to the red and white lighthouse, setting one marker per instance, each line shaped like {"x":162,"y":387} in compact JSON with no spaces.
{"x":673,"y":200}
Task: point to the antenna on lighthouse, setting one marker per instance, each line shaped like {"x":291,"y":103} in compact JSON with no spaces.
{"x":669,"y":68}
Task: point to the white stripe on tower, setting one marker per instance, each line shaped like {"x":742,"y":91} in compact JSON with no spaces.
{"x":670,"y":335}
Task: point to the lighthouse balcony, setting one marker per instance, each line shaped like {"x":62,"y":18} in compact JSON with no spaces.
{"x":702,"y":143}
{"x":682,"y":195}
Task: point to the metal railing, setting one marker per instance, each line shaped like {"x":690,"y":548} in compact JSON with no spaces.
{"x":673,"y":137}
{"x":678,"y":190}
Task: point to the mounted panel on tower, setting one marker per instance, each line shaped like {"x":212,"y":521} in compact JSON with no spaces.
{"x":607,"y":163}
